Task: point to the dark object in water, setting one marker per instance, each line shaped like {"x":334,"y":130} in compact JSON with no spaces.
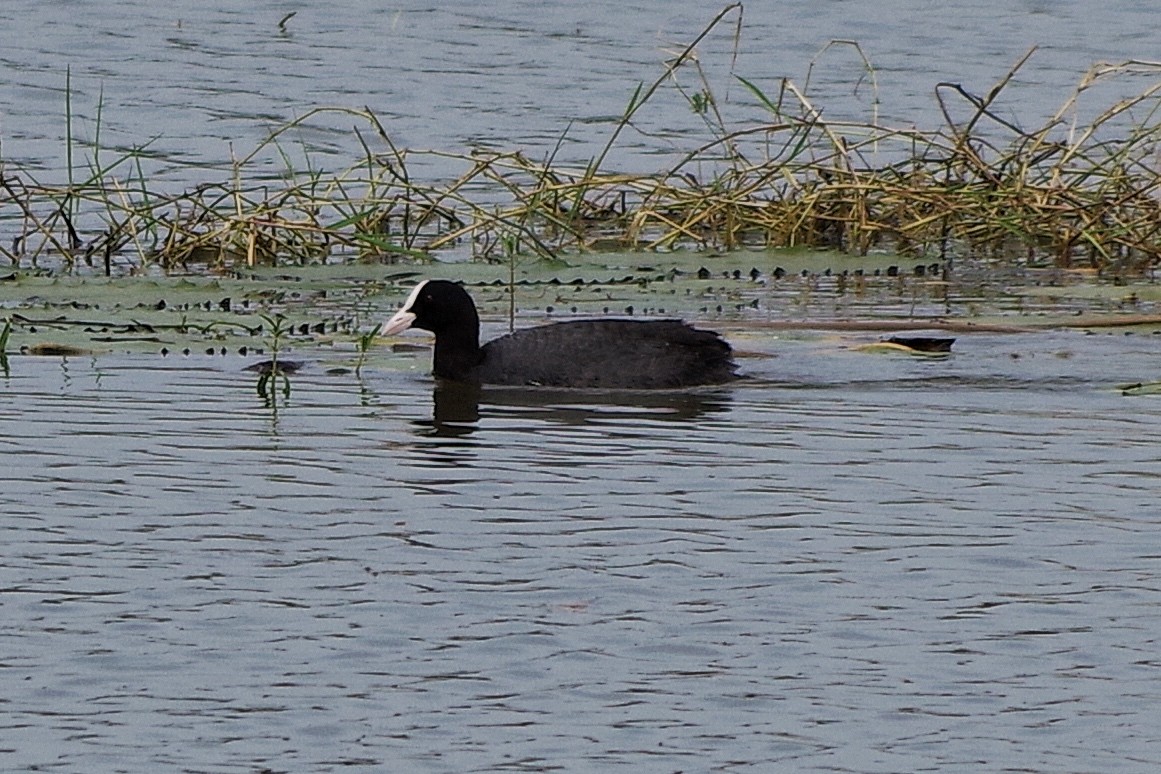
{"x":602,"y":354}
{"x":923,"y":343}
{"x":51,"y":349}
{"x":267,"y":367}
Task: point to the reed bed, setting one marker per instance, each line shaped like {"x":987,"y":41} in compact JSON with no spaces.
{"x":978,"y":185}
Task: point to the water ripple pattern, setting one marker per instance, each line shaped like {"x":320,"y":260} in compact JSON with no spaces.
{"x":880,"y":565}
{"x":203,"y":83}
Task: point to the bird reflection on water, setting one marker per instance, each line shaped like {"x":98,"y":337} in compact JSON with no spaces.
{"x":458,"y":408}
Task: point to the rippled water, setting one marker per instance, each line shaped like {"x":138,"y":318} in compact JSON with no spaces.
{"x":850,"y":563}
{"x":204,"y":82}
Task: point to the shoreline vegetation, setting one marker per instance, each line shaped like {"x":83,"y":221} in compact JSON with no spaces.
{"x":1063,"y":195}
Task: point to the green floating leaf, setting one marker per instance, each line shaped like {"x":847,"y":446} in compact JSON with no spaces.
{"x":1140,"y":388}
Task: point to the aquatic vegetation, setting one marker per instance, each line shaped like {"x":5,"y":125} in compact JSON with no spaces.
{"x":364,"y":343}
{"x":979,"y":186}
{"x":272,"y":370}
{"x":4,"y":334}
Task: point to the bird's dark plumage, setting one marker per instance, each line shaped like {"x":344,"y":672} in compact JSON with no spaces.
{"x":603,"y":354}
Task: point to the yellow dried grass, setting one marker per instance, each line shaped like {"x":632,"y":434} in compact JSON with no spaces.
{"x":1072,"y":194}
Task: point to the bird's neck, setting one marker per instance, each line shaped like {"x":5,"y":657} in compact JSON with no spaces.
{"x":457,"y":353}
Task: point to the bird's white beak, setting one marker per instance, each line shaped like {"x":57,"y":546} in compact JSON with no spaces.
{"x":397,"y":324}
{"x":404,"y":317}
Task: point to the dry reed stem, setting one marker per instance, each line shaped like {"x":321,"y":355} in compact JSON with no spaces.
{"x":982,"y":186}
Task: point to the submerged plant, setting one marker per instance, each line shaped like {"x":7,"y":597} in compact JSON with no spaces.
{"x":270,"y":372}
{"x":364,"y":343}
{"x":4,"y":334}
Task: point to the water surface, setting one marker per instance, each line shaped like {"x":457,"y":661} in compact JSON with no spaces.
{"x":851,"y":563}
{"x":202,"y":83}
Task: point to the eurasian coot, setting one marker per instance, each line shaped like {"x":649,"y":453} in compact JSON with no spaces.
{"x":607,"y":354}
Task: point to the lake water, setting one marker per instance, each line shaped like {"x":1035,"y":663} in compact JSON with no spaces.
{"x":849,"y":563}
{"x":202,"y":82}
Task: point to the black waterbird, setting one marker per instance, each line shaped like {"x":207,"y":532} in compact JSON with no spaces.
{"x":598,"y":354}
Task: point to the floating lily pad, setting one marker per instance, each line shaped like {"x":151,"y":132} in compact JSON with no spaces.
{"x":1141,"y":388}
{"x":334,"y":306}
